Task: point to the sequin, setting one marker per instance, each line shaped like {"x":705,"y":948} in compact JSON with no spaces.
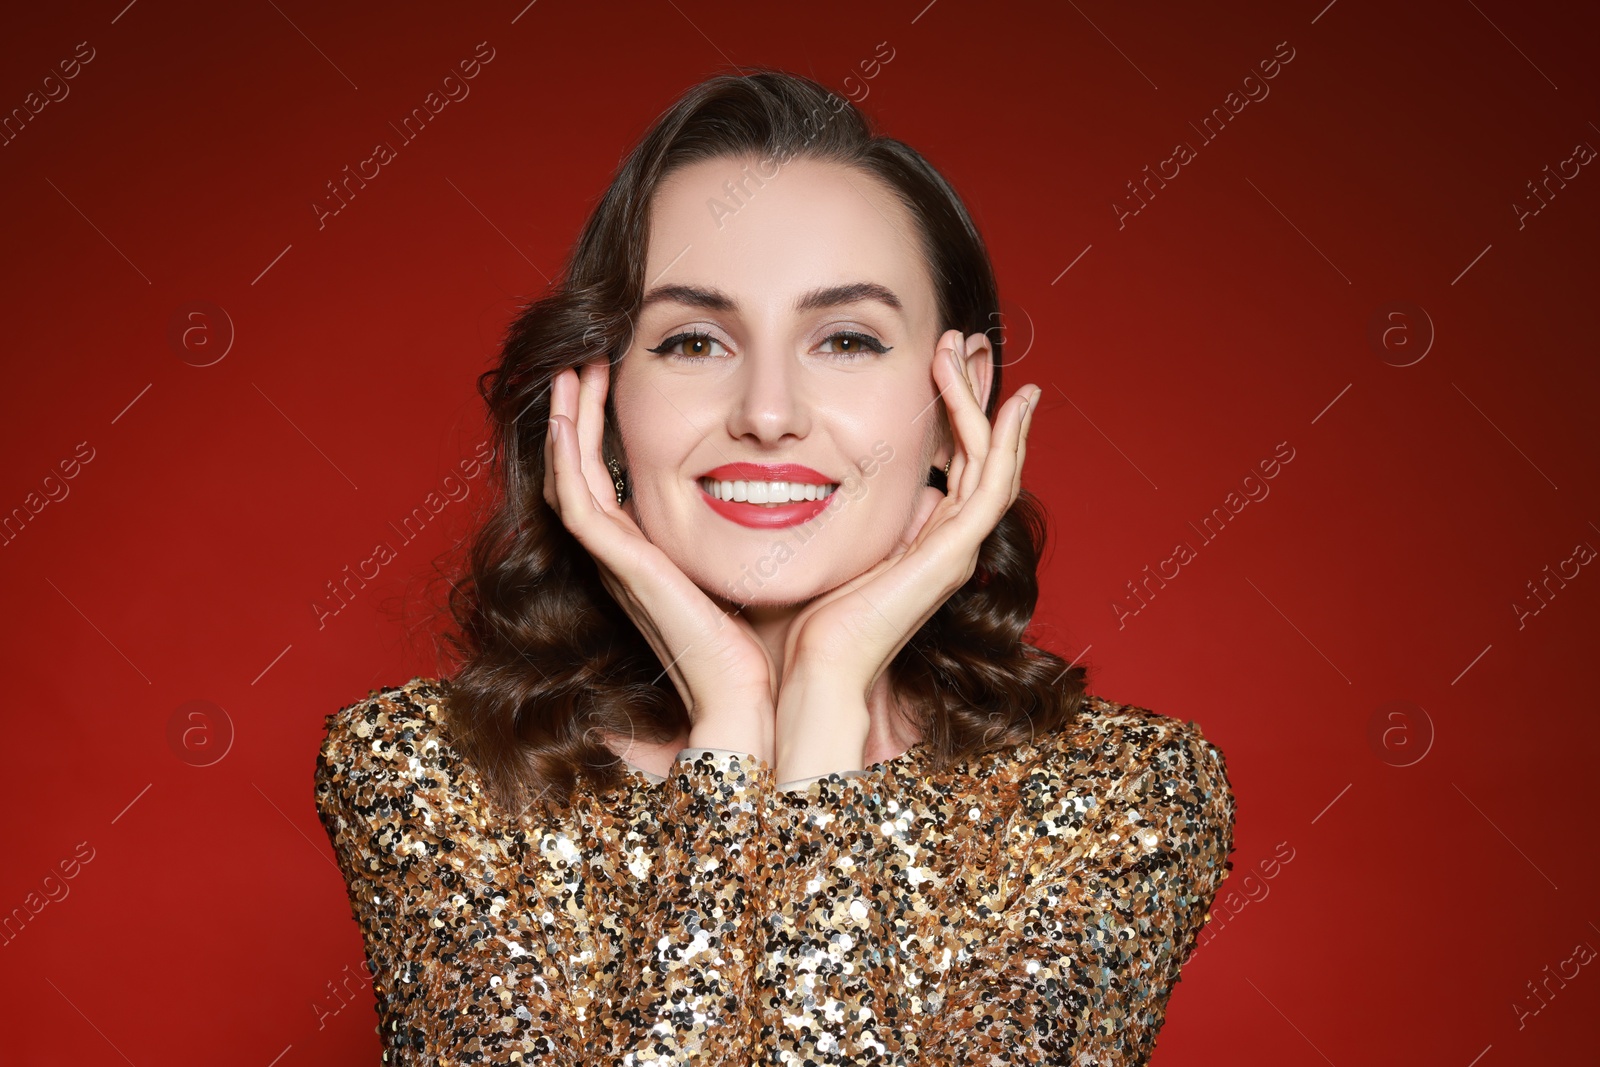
{"x":1032,"y":905}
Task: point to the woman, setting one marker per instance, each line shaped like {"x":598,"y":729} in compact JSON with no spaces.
{"x":746,"y":759}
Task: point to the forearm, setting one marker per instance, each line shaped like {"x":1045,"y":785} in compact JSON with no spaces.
{"x":821,"y":728}
{"x":698,"y":932}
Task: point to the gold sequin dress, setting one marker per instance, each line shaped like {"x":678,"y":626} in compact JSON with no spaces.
{"x":1028,"y":906}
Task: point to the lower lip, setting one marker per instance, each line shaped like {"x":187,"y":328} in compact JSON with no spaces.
{"x":791,"y":514}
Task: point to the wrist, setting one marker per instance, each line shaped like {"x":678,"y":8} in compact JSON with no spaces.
{"x":743,"y":732}
{"x":820,"y":683}
{"x":822,"y":727}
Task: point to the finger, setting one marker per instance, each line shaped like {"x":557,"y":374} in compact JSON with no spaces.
{"x":1022,"y":454}
{"x":997,"y":478}
{"x":1002,"y":467}
{"x":593,"y":379}
{"x":574,"y":499}
{"x":549,"y":446}
{"x":1022,"y":444}
{"x":958,"y":461}
{"x":560,"y":395}
{"x":967,"y":420}
{"x":563,"y":404}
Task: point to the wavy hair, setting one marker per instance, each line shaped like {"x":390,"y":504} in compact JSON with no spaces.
{"x":548,"y":665}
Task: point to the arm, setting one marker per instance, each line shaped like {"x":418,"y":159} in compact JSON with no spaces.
{"x":568,"y":944}
{"x":821,"y":727}
{"x":1103,"y":904}
{"x":455,"y":972}
{"x":694,"y":976}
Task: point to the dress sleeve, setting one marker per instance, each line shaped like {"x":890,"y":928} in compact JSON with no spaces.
{"x":1104,"y":895}
{"x":689,"y":994}
{"x":459,"y":976}
{"x":472,"y":935}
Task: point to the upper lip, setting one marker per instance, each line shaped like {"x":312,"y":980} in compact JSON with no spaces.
{"x":767,"y":472}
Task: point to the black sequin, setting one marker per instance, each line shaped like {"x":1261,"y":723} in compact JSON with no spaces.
{"x":1027,"y":906}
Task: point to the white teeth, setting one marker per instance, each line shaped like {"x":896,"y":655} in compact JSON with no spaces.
{"x":770,"y":493}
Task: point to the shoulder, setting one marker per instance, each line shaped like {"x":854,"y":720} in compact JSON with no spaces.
{"x":1140,"y":741}
{"x":390,"y":749}
{"x":377,"y":730}
{"x":1127,"y":758}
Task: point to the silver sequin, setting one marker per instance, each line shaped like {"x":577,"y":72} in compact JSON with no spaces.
{"x":1027,"y":906}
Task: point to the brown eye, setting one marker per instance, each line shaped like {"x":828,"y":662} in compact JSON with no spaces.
{"x":850,"y":343}
{"x":696,"y":346}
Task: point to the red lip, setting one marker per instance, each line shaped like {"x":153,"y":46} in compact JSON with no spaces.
{"x":755,"y":515}
{"x":768,"y":472}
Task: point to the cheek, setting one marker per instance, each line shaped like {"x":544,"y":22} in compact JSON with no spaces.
{"x":912,"y":439}
{"x":646,"y":436}
{"x":666,"y":418}
{"x":891,"y":471}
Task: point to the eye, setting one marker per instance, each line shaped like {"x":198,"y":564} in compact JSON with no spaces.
{"x":848,"y":343}
{"x":856,"y":344}
{"x":700,"y":346}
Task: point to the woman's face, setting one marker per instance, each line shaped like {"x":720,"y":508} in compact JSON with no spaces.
{"x":762,"y":278}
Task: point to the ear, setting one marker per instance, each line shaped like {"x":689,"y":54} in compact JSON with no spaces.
{"x":979,"y":364}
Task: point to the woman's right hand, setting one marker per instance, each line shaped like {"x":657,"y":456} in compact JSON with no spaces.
{"x":723,"y":672}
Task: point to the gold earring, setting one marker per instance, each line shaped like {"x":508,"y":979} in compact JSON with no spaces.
{"x":616,"y":477}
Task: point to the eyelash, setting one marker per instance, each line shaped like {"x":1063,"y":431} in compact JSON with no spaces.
{"x":873,"y":345}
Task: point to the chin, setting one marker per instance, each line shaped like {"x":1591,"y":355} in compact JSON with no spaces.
{"x":758,"y":583}
{"x":746,"y":589}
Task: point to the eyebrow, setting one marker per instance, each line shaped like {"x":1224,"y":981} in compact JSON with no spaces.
{"x":713,"y":299}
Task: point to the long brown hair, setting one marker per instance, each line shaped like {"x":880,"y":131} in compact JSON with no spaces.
{"x":549,"y":665}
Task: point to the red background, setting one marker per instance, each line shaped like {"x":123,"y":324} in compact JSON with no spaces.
{"x":1440,"y":861}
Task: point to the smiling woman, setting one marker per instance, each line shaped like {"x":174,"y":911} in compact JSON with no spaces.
{"x":844,"y":813}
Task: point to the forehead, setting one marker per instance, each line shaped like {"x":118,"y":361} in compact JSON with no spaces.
{"x":765,"y":238}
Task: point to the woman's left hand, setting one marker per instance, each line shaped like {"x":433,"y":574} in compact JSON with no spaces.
{"x":841,"y":643}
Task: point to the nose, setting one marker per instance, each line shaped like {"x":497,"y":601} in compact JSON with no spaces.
{"x":769,"y":399}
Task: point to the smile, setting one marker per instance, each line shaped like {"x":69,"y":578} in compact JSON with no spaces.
{"x":768,"y":494}
{"x":765,"y":495}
